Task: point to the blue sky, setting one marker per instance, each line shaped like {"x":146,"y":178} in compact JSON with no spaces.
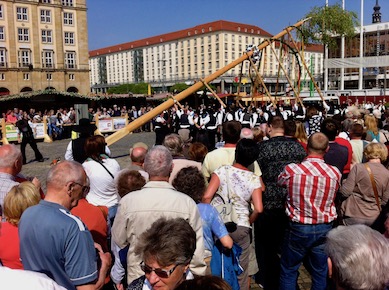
{"x":118,"y":21}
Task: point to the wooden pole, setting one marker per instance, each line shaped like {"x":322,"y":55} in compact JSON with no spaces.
{"x":306,"y":67}
{"x":213,"y":93}
{"x":286,"y":75}
{"x":191,"y":90}
{"x":259,"y":77}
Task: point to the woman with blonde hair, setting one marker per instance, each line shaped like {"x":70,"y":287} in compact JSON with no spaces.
{"x":301,"y":134}
{"x":363,"y":205}
{"x":372,"y":132}
{"x":17,"y":200}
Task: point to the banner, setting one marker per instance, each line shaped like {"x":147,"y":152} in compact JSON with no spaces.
{"x":38,"y":129}
{"x":119,"y":123}
{"x":11,"y":132}
{"x":105,"y":125}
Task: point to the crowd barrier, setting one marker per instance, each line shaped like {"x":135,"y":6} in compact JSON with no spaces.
{"x":110,"y":125}
{"x":10,"y":133}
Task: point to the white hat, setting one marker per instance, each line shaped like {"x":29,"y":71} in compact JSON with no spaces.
{"x":377,"y":113}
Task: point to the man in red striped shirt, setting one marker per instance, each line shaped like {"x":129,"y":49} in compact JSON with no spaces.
{"x":312,"y":186}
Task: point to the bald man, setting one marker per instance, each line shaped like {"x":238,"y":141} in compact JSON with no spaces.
{"x":137,"y":155}
{"x":55,"y":242}
{"x":10,"y":165}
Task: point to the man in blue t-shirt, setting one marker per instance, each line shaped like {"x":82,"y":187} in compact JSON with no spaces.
{"x":53,"y":241}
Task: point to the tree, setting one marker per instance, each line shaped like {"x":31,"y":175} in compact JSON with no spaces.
{"x":327,"y":22}
{"x":178,"y":88}
{"x":141,"y":88}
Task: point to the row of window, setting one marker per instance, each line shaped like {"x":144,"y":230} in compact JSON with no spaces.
{"x":27,"y":77}
{"x":46,"y":35}
{"x":25,"y":58}
{"x":64,"y":2}
{"x":45,"y":15}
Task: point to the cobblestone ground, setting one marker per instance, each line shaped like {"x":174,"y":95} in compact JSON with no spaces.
{"x":120,"y":152}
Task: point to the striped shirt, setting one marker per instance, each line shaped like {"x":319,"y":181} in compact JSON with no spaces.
{"x":312,"y":186}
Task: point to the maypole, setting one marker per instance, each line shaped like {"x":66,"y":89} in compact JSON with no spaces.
{"x":194,"y":88}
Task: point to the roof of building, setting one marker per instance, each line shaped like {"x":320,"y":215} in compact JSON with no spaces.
{"x":220,"y":25}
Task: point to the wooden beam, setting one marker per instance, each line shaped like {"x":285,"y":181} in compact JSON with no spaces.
{"x":213,"y":93}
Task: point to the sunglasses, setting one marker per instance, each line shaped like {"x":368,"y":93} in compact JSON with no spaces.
{"x":158,"y":271}
{"x":85,"y":188}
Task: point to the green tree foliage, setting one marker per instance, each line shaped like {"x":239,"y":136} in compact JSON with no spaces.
{"x":178,"y":88}
{"x":140,"y":88}
{"x":327,"y":22}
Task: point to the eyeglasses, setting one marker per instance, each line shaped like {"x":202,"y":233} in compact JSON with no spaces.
{"x":158,"y":271}
{"x":85,"y":188}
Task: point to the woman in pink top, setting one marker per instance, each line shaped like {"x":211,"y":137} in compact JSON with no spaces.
{"x":18,"y":199}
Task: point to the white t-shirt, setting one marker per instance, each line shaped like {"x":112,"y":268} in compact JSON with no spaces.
{"x":241,"y":184}
{"x":23,"y":279}
{"x":102,"y":185}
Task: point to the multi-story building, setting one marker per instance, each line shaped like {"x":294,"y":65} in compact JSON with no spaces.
{"x":191,"y":54}
{"x":43,"y":45}
{"x":362,"y":62}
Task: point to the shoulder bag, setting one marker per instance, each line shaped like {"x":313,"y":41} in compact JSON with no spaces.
{"x":226,"y":210}
{"x":377,"y":200}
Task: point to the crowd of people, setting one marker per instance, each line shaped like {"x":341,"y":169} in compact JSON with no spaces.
{"x":224,"y":197}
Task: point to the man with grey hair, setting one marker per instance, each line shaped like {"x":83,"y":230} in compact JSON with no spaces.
{"x":358,"y":258}
{"x":55,"y":242}
{"x":246,"y":133}
{"x":10,"y":165}
{"x":137,"y":155}
{"x":138,"y":210}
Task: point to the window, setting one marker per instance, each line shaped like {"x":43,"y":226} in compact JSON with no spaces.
{"x":45,"y":16}
{"x":47,"y":36}
{"x":67,"y":2}
{"x":3,"y":57}
{"x":49,"y":77}
{"x":2,"y":76}
{"x":70,"y":59}
{"x":21,"y":13}
{"x":71,"y":77}
{"x":24,"y":57}
{"x":46,"y":1}
{"x":47,"y":58}
{"x":23,"y":35}
{"x":2,"y":34}
{"x":69,"y":37}
{"x":1,"y":11}
{"x":67,"y":18}
{"x":26,"y":76}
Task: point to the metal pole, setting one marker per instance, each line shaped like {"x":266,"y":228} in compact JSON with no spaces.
{"x":325,"y":63}
{"x":360,"y":82}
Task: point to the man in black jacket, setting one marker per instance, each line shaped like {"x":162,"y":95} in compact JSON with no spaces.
{"x":28,"y":138}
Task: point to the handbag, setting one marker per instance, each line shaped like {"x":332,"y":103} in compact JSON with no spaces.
{"x":377,"y":200}
{"x":227,"y":211}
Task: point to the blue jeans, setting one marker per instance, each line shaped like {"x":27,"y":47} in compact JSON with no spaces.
{"x":304,"y":243}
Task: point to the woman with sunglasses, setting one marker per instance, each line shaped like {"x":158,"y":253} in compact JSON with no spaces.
{"x":166,"y":248}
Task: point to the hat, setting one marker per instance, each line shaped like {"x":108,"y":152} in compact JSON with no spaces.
{"x":377,"y":113}
{"x":140,"y":145}
{"x":84,"y":127}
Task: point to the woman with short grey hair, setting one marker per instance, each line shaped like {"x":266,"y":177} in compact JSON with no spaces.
{"x":358,"y":258}
{"x":158,"y":161}
{"x":166,"y":248}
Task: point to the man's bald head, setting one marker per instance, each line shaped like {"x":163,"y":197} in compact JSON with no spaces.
{"x":138,"y":155}
{"x":318,"y":144}
{"x":10,"y":159}
{"x":64,"y":172}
